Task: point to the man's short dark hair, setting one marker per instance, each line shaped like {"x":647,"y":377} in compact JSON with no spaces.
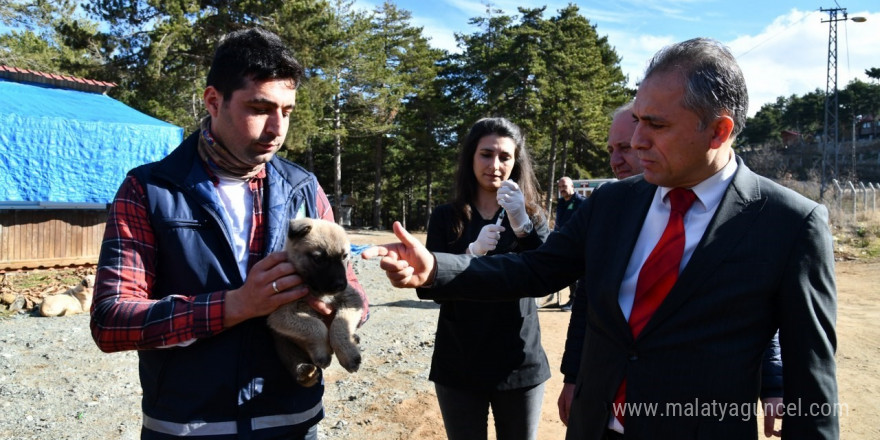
{"x":713,"y":81}
{"x":255,"y":54}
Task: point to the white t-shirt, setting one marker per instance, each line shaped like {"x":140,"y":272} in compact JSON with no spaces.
{"x":239,"y":216}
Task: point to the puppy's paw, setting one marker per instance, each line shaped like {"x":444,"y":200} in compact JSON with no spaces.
{"x":307,"y":375}
{"x":323,"y":360}
{"x":350,"y":359}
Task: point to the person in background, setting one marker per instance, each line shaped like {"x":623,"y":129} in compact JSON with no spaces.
{"x":625,"y":163}
{"x":692,"y":268}
{"x":489,"y":354}
{"x":191,"y":265}
{"x":623,"y":158}
{"x":567,"y":203}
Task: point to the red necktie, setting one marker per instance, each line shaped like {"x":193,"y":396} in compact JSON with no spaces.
{"x":658,"y":275}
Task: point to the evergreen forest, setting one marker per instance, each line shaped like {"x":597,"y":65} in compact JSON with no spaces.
{"x":379,"y":117}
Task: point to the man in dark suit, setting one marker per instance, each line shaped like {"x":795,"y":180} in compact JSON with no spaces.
{"x":753,"y":257}
{"x":625,"y":163}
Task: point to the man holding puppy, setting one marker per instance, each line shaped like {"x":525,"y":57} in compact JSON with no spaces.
{"x":190,"y":265}
{"x":690,"y":269}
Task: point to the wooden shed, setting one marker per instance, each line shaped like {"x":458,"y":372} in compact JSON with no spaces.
{"x":65,"y":147}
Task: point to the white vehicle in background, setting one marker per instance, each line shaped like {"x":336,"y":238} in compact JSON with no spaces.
{"x":585,"y":187}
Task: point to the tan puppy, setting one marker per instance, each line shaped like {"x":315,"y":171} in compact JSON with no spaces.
{"x":319,"y":250}
{"x":75,"y":300}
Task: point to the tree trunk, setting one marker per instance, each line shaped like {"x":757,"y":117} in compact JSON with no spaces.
{"x":310,"y":159}
{"x":429,"y":196}
{"x":563,"y":145}
{"x":403,"y":206}
{"x":551,"y":171}
{"x":377,"y":184}
{"x":337,"y":158}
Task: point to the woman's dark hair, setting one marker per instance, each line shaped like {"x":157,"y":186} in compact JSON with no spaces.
{"x":255,"y":54}
{"x":466,"y":183}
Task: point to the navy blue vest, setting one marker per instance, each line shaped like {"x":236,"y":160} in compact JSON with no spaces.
{"x":232,"y":384}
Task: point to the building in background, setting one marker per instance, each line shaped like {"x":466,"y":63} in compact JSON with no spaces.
{"x":65,"y":146}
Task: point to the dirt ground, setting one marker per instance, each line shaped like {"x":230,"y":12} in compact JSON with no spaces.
{"x":858,"y":359}
{"x":55,"y":384}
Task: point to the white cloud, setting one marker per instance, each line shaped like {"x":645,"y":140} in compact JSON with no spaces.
{"x":441,"y":36}
{"x":439,"y":30}
{"x":790,"y":55}
{"x":365,"y":5}
{"x":472,"y":8}
{"x":635,"y":50}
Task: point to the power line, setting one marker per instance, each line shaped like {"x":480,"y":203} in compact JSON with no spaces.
{"x":766,"y":40}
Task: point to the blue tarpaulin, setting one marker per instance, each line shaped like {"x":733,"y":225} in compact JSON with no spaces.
{"x":66,"y":146}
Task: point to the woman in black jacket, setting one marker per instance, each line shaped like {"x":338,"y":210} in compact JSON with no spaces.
{"x":489,"y":353}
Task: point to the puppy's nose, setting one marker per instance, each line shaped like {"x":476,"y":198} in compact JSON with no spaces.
{"x":338,"y":285}
{"x":329,"y":286}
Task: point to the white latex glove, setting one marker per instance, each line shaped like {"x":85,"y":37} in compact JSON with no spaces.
{"x":514,"y":203}
{"x":486,"y":241}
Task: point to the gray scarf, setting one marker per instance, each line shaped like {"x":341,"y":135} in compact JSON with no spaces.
{"x":220,"y":159}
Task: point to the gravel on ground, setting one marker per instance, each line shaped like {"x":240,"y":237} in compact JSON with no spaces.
{"x":56,"y":384}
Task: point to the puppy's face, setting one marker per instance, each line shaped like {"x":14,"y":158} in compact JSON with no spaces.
{"x":319,"y":250}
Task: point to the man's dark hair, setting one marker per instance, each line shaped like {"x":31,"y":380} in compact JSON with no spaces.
{"x":713,"y":81}
{"x":255,"y":54}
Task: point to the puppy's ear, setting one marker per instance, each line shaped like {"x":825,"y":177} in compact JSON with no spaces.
{"x":298,"y":229}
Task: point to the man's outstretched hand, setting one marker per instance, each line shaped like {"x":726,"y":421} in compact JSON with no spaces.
{"x":408,"y":263}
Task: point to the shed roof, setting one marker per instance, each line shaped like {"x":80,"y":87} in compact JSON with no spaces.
{"x":54,"y":79}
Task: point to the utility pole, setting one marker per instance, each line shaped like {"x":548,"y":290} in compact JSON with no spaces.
{"x":831,"y":102}
{"x":852,"y":172}
{"x":832,"y":125}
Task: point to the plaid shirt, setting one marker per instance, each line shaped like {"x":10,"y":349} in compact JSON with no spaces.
{"x":138,"y":321}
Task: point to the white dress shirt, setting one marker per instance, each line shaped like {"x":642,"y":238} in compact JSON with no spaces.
{"x":709,"y":193}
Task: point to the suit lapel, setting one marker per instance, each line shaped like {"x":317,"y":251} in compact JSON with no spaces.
{"x":737,"y":211}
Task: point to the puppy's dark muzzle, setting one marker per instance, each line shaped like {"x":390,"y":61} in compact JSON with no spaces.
{"x":319,"y":289}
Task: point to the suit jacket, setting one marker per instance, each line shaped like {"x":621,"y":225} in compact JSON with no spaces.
{"x":764,"y":262}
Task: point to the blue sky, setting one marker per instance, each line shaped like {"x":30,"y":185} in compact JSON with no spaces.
{"x":781,"y":45}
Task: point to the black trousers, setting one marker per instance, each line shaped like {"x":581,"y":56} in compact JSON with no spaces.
{"x":612,"y":435}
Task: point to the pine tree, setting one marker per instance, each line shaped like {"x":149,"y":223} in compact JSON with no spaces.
{"x":584,"y":84}
{"x":52,"y":37}
{"x":392,"y":65}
